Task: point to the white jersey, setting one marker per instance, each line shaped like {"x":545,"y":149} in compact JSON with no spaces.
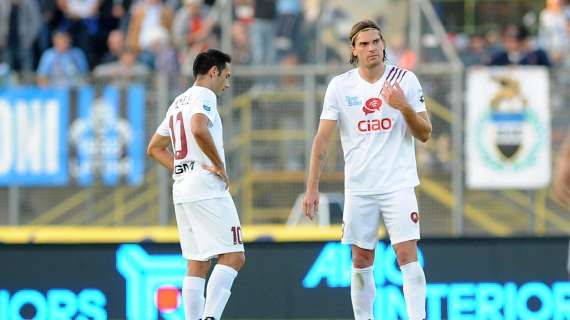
{"x":378,"y":148}
{"x":191,"y":181}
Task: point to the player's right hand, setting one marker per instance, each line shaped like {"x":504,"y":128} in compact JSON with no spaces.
{"x":311,"y":204}
{"x":220,"y":172}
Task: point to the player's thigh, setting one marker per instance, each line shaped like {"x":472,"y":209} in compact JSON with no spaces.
{"x":188,"y":242}
{"x":401,"y":216}
{"x":361,"y":219}
{"x":216,"y":225}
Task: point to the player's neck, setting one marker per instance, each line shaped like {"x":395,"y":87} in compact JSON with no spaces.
{"x":204,"y":83}
{"x":372,"y":74}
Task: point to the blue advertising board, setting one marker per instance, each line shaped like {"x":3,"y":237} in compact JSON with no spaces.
{"x":507,"y":279}
{"x":33,"y":130}
{"x":49,"y":139}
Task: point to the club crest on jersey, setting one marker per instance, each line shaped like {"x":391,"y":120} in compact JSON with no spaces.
{"x":372,"y":105}
{"x":415,"y":217}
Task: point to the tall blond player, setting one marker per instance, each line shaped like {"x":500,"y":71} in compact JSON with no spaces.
{"x":380,"y":110}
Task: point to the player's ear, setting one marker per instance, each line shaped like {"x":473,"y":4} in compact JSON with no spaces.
{"x":213,"y":72}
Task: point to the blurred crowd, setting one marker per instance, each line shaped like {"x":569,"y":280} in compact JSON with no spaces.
{"x":515,"y":44}
{"x":61,"y":40}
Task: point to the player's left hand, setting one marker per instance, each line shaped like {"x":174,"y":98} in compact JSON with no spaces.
{"x":394,"y":96}
{"x":220,"y":172}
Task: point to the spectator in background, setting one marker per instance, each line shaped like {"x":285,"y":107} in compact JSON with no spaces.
{"x":493,"y":43}
{"x":476,"y":52}
{"x":115,"y":14}
{"x":81,"y":22}
{"x":123,"y":70}
{"x":51,"y":18}
{"x":399,"y":54}
{"x":519,"y":50}
{"x":62,"y":64}
{"x":20,"y":23}
{"x":165,"y":61}
{"x":263,"y":32}
{"x":241,"y":50}
{"x":115,"y":46}
{"x":566,"y":53}
{"x":191,"y":29}
{"x":552,"y":30}
{"x":288,"y":41}
{"x":5,"y":75}
{"x":146,"y":15}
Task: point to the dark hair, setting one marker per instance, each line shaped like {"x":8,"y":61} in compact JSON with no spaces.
{"x":356,"y":29}
{"x":518,"y":32}
{"x":208,"y":59}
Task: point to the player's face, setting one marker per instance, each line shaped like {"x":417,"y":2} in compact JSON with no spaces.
{"x":368,"y":48}
{"x":222,"y":80}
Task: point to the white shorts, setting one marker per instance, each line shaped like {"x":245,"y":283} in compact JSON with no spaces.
{"x":208,"y":228}
{"x":361,"y":218}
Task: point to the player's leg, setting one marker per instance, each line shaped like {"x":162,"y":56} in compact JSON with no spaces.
{"x":413,"y":277}
{"x":217,"y":226}
{"x":361,"y":218}
{"x":362,"y":285}
{"x":193,"y":289}
{"x":195,"y":281}
{"x":400,"y":212}
{"x":220,"y":283}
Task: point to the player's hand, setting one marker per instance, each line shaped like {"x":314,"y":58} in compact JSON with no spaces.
{"x":220,"y":172}
{"x":311,"y":204}
{"x":394,"y":96}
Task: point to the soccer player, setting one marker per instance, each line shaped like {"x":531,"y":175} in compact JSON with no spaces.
{"x":379,"y":109}
{"x":206,"y":216}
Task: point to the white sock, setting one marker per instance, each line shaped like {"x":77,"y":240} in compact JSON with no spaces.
{"x":414,"y":290}
{"x":193,"y":296}
{"x":362,"y":291}
{"x":219,"y":290}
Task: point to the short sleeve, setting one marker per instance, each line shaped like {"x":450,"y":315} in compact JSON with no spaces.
{"x":415,"y":94}
{"x":204,"y":103}
{"x":330,"y":104}
{"x":164,"y":128}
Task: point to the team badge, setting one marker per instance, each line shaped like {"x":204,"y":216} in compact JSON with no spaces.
{"x":415,"y":217}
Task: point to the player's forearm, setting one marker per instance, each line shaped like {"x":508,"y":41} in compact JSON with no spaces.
{"x":164,"y":157}
{"x":318,"y":163}
{"x":206,"y":143}
{"x":418,"y":126}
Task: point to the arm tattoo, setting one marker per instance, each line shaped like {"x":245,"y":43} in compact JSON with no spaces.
{"x":322,"y":160}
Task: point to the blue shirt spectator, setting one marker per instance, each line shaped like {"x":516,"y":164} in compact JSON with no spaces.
{"x":519,"y":50}
{"x":62,"y":64}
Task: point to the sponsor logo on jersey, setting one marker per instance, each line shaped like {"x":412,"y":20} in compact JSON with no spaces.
{"x":207,"y":108}
{"x":352,"y":101}
{"x":181,"y":168}
{"x":375,"y":125}
{"x":372,"y":105}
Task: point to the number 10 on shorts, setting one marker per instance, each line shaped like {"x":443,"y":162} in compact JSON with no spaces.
{"x":236,"y":232}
